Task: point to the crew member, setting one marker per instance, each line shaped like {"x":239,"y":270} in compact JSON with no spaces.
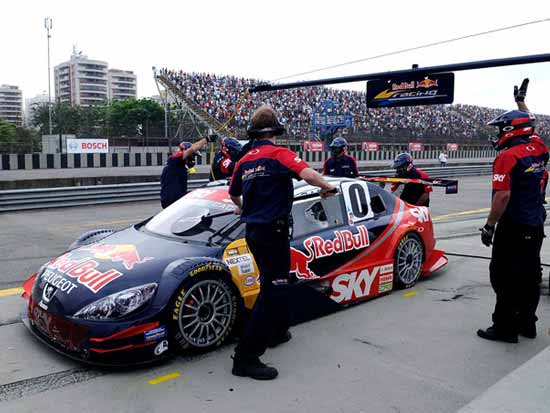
{"x":413,"y":193}
{"x":173,"y":180}
{"x":225,"y":160}
{"x":340,"y":163}
{"x":262,"y":189}
{"x":517,"y":212}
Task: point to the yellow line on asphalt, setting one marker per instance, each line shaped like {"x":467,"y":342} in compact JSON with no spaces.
{"x":461,"y":213}
{"x":11,"y":291}
{"x":410,"y":294}
{"x":162,"y":379}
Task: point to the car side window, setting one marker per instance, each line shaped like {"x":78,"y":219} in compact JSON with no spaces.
{"x":313,"y":215}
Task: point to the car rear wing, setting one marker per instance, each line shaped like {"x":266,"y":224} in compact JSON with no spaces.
{"x":450,"y":185}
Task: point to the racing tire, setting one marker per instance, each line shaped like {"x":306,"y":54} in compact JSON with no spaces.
{"x":203,"y":313}
{"x":408,"y":260}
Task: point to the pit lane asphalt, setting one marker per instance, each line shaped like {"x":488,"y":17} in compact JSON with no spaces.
{"x":412,"y":351}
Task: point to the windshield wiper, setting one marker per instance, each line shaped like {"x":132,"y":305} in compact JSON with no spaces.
{"x":230,"y":224}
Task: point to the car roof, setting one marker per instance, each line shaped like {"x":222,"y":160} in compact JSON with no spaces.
{"x":300,"y":187}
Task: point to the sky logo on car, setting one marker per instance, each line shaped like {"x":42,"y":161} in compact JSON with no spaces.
{"x":317,"y":247}
{"x":125,"y":253}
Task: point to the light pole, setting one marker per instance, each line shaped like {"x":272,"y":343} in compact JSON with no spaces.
{"x":48,"y":26}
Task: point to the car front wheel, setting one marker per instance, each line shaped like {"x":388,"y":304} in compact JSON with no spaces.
{"x":204,"y":313}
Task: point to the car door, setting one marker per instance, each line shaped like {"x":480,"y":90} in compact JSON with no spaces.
{"x":322,"y":238}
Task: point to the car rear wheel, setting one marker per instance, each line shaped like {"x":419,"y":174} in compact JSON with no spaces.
{"x":408,"y":259}
{"x":204,"y":313}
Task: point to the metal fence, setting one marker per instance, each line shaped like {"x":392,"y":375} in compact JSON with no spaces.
{"x":28,"y":199}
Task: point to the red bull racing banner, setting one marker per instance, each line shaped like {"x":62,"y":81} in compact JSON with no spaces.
{"x":370,"y":146}
{"x":416,"y":146}
{"x":433,"y":89}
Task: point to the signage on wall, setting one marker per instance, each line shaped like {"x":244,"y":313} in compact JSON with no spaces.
{"x":87,"y":145}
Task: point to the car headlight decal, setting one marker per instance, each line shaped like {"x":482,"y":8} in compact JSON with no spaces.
{"x":118,"y":304}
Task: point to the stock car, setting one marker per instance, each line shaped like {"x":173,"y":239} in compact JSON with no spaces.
{"x":184,"y":279}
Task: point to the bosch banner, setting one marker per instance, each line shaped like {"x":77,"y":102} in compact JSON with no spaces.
{"x":370,"y":146}
{"x":87,"y":145}
{"x":411,"y":90}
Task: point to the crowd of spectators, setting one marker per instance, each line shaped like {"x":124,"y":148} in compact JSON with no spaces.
{"x":219,"y":95}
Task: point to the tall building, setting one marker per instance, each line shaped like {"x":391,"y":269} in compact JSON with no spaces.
{"x":122,"y":84}
{"x":81,"y":81}
{"x":31,"y":103}
{"x":11,"y":104}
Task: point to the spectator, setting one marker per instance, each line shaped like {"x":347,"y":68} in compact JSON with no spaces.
{"x":218,"y":96}
{"x":443,"y":159}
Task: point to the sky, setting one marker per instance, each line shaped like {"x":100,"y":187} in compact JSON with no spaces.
{"x":270,"y":40}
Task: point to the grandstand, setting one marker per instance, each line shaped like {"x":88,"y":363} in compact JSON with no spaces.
{"x":214,"y":98}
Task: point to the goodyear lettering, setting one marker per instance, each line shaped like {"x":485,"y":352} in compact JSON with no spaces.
{"x":206,"y":268}
{"x":177,"y":305}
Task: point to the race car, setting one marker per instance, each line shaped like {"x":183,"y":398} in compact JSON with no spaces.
{"x":184,"y":279}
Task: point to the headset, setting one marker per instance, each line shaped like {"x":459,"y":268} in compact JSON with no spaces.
{"x":275,"y":130}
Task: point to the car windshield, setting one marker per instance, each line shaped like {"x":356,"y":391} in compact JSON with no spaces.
{"x":197,"y":216}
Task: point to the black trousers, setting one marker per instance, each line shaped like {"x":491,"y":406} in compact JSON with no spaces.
{"x":516,"y":274}
{"x":270,"y":317}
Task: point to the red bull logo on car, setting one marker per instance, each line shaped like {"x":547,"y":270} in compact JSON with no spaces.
{"x":318,"y":247}
{"x":127,"y":254}
{"x":84,"y":270}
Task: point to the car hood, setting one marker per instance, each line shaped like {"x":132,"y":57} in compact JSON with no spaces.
{"x":123,"y":260}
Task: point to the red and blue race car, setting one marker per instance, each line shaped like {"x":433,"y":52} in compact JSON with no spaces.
{"x":184,"y":279}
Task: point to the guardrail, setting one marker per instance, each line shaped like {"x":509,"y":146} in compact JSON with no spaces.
{"x":28,"y":199}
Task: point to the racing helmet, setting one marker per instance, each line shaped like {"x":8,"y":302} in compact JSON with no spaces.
{"x":264,"y":122}
{"x":231,"y":147}
{"x":403,"y":163}
{"x":511,"y":124}
{"x":337,"y":146}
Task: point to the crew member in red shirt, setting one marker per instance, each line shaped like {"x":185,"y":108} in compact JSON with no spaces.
{"x":413,"y":193}
{"x":515,"y":225}
{"x":262,"y":189}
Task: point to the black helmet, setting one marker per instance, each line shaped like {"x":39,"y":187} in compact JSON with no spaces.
{"x":511,"y":124}
{"x":231,"y":147}
{"x":403,"y":163}
{"x":337,"y":146}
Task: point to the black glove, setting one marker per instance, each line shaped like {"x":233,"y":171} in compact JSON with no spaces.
{"x":519,"y":94}
{"x":487,"y":233}
{"x":211,"y":138}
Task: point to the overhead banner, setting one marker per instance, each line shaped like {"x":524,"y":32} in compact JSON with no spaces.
{"x":452,"y":147}
{"x":416,"y":146}
{"x":87,"y":145}
{"x":434,"y":89}
{"x":314,"y":146}
{"x":370,"y":146}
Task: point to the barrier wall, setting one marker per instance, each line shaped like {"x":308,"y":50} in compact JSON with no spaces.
{"x":110,"y":160}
